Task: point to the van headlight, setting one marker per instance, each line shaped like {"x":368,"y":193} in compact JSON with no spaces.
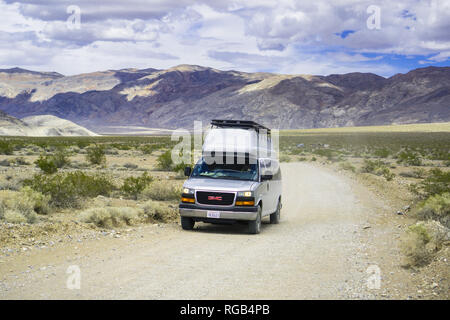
{"x":188,"y":191}
{"x":245,"y":194}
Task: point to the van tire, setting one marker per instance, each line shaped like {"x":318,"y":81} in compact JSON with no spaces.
{"x":187,"y":223}
{"x":254,"y":226}
{"x":275,"y":217}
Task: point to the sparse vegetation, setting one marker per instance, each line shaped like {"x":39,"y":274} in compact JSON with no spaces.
{"x":437,"y":208}
{"x":96,"y":155}
{"x":133,"y":186}
{"x":66,"y":190}
{"x":110,"y":217}
{"x":421,"y":242}
{"x":159,"y":190}
{"x":157,"y":211}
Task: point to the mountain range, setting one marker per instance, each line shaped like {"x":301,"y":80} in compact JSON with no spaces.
{"x":177,"y":96}
{"x":40,"y":126}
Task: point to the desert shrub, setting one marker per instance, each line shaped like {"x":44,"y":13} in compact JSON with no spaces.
{"x":159,"y":190}
{"x":157,"y":211}
{"x":46,"y":164}
{"x":417,"y":173}
{"x":347,"y":166}
{"x":67,"y":189}
{"x":40,"y":201}
{"x":437,"y":182}
{"x":409,"y":158}
{"x":149,"y":148}
{"x":61,"y":157}
{"x":12,"y":216}
{"x":109,"y":217}
{"x":422,"y":240}
{"x":370,"y":166}
{"x":20,"y":161}
{"x":5,"y":163}
{"x":6,"y":147}
{"x":133,"y":186}
{"x":329,"y":154}
{"x":378,"y":168}
{"x":382,"y":153}
{"x":96,"y":155}
{"x":18,"y":208}
{"x":285,"y":158}
{"x":437,"y":208}
{"x":130,"y":165}
{"x":165,"y":161}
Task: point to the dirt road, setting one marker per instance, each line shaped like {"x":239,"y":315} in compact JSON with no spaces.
{"x":319,"y":250}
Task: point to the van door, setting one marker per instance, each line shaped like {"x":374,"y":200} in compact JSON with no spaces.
{"x":271,"y":166}
{"x":268,"y":206}
{"x":276,"y":182}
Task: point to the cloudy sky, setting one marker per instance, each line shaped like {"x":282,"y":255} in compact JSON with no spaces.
{"x":312,"y":37}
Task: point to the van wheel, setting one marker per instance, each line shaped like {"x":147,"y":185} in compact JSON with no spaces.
{"x":254,"y":227}
{"x":187,"y":223}
{"x":275,"y":217}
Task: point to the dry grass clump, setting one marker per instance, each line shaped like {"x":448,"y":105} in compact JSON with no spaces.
{"x":422,"y":241}
{"x":158,"y":211}
{"x":162,"y":190}
{"x":437,"y":208}
{"x":23,"y":206}
{"x":109,"y":217}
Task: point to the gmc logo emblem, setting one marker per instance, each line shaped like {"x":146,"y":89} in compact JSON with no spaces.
{"x":214,"y":198}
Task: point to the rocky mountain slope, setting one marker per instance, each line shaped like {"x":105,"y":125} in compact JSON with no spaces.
{"x":44,"y":125}
{"x":175,"y":97}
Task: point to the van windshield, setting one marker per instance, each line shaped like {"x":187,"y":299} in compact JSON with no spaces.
{"x":226,"y":171}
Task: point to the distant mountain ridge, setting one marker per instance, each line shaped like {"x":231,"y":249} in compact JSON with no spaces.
{"x":177,"y":96}
{"x":40,"y":126}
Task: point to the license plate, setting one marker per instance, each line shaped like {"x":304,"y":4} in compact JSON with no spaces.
{"x":213,"y":214}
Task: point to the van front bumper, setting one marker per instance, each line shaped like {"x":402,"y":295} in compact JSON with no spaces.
{"x":228,"y":213}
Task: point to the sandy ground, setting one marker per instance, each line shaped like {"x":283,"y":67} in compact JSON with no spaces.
{"x":332,"y":231}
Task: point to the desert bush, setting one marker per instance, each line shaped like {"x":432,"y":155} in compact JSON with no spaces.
{"x":20,"y":161}
{"x":437,"y":208}
{"x":5,"y":163}
{"x":285,"y":158}
{"x":382,"y":153}
{"x":61,"y":157}
{"x":409,"y":158}
{"x":159,"y":190}
{"x":157,"y":211}
{"x":96,"y":155}
{"x":133,"y":186}
{"x":165,"y":161}
{"x":46,"y":164}
{"x":149,"y":148}
{"x":347,"y":166}
{"x":67,"y":189}
{"x":417,"y":173}
{"x":18,"y":208}
{"x":40,"y":201}
{"x":437,"y":182}
{"x":109,"y":217}
{"x":328,"y":153}
{"x":377,"y":167}
{"x":6,"y":147}
{"x":130,"y":165}
{"x":422,"y":240}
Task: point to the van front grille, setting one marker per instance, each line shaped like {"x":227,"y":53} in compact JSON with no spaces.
{"x":215,"y":198}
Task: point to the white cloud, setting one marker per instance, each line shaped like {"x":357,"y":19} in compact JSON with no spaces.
{"x":250,"y":35}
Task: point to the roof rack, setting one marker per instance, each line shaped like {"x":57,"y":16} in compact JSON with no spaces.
{"x":244,"y":124}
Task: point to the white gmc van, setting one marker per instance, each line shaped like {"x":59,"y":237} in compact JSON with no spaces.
{"x":237,"y":179}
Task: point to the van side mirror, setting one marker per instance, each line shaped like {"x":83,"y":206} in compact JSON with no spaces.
{"x":187,"y":171}
{"x":267,"y":176}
